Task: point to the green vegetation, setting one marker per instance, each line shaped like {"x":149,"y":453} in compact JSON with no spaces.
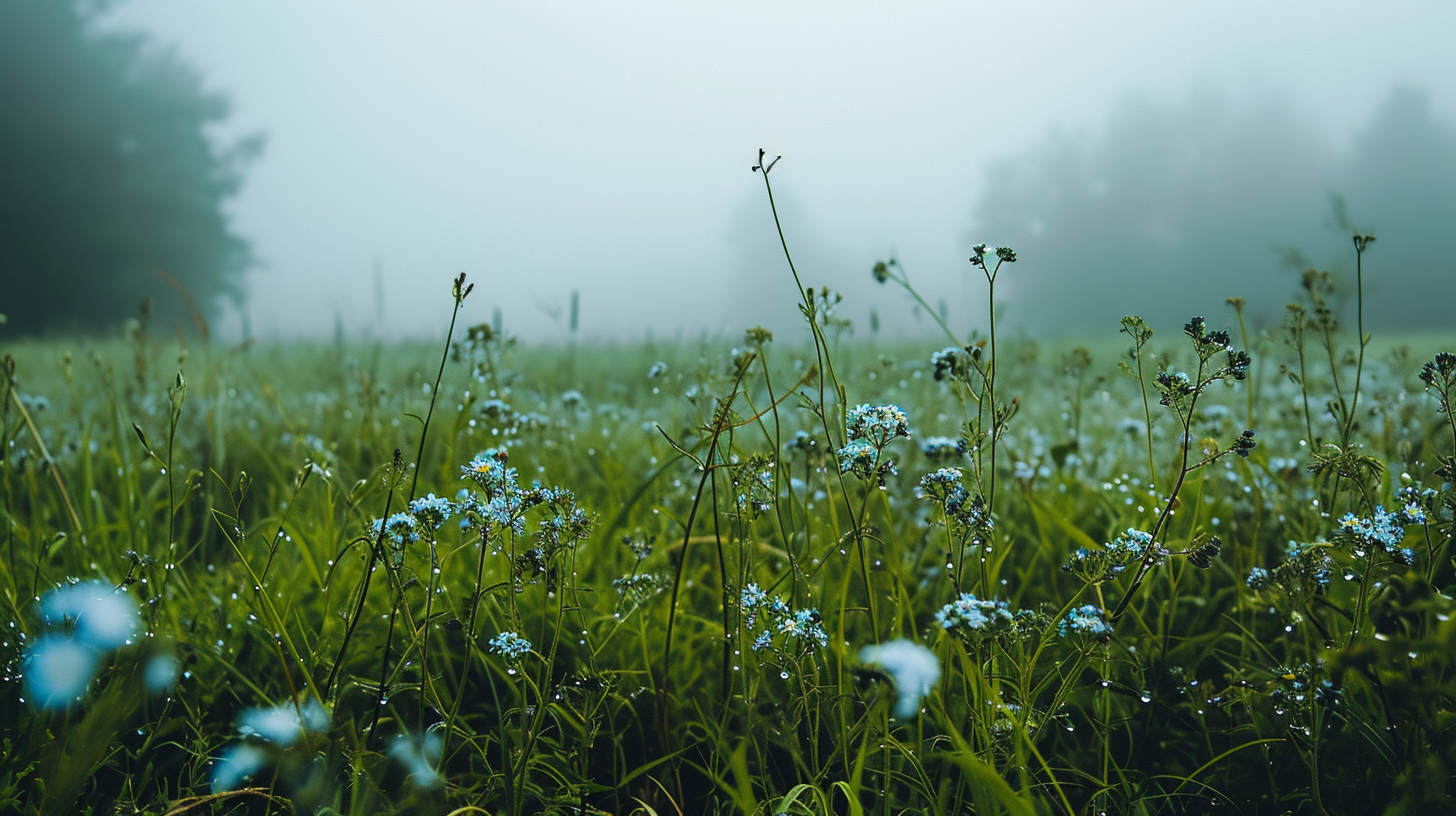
{"x":994,"y":577}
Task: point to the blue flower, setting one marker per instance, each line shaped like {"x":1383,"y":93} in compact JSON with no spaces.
{"x":58,"y":669}
{"x":282,"y":724}
{"x":1085,"y":620}
{"x":510,"y":645}
{"x":105,"y":617}
{"x":878,"y":424}
{"x":419,"y":756}
{"x":763,"y":641}
{"x":432,"y":511}
{"x":914,"y":668}
{"x":236,"y":765}
{"x":968,"y":615}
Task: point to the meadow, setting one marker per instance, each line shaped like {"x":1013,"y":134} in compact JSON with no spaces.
{"x":1194,"y":569}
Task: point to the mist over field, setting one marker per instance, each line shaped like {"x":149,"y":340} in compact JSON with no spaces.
{"x":1138,"y":157}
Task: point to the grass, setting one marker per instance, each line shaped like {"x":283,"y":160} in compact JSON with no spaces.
{"x":673,"y":555}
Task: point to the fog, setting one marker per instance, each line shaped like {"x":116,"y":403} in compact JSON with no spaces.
{"x":1141,"y":157}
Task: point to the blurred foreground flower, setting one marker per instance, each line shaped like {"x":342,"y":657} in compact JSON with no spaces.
{"x":914,"y":668}
{"x":282,"y":724}
{"x":57,"y":671}
{"x":93,"y":618}
{"x":418,"y":755}
{"x":237,"y":765}
{"x":105,"y":617}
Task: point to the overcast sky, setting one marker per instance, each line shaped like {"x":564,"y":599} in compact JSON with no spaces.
{"x":545,"y":147}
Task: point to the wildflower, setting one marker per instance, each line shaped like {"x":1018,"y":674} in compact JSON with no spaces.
{"x":805,"y":625}
{"x":1175,"y":387}
{"x":950,"y":361}
{"x":399,"y":530}
{"x":488,"y":469}
{"x":877,"y":424}
{"x":58,"y":669}
{"x":283,"y":724}
{"x":432,"y":511}
{"x":913,"y":668}
{"x":1085,"y":620}
{"x":236,"y":765}
{"x":1113,"y":557}
{"x":509,"y":645}
{"x":763,"y":641}
{"x":1238,"y":364}
{"x":1383,"y":530}
{"x":752,"y":597}
{"x":657,"y":370}
{"x":968,"y":616}
{"x":857,"y":457}
{"x":1258,"y":578}
{"x":507,"y":511}
{"x":105,"y":617}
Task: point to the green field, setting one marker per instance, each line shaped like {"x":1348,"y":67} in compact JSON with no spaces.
{"x":750,"y":577}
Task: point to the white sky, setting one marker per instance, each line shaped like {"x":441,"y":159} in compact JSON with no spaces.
{"x":541,"y":147}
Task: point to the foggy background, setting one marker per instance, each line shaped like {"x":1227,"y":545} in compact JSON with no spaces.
{"x":1140,"y":157}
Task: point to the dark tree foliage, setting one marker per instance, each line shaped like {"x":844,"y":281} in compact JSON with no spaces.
{"x":110,"y":190}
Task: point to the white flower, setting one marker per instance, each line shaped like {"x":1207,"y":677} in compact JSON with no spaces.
{"x":914,"y":668}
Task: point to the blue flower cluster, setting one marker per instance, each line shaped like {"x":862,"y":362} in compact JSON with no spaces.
{"x":863,"y":460}
{"x":1113,"y":557}
{"x":946,"y":487}
{"x":804,"y":625}
{"x":60,"y":664}
{"x":877,"y":424}
{"x":488,"y":470}
{"x":432,"y":511}
{"x":950,"y":361}
{"x":968,"y":615}
{"x":1305,"y":570}
{"x":1086,"y":620}
{"x":1382,"y":530}
{"x":399,"y":530}
{"x":509,"y":645}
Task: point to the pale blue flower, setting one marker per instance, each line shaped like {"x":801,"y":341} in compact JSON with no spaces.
{"x":58,"y":669}
{"x":105,"y":617}
{"x":282,"y":724}
{"x":914,"y":668}
{"x":419,"y":757}
{"x":236,"y":765}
